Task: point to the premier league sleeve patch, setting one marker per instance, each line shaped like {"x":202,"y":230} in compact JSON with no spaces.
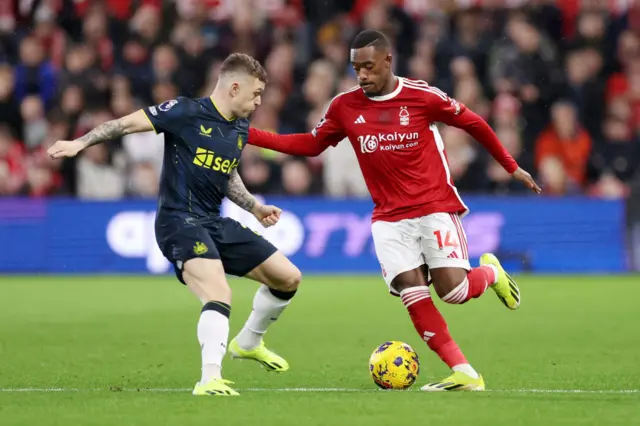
{"x":167,"y":105}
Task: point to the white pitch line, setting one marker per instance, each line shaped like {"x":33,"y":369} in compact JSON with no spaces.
{"x":311,"y":390}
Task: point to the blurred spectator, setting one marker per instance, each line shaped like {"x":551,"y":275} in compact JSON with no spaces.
{"x":333,"y":46}
{"x":166,"y":70}
{"x":135,"y":66}
{"x":585,"y":89}
{"x":609,"y":187}
{"x":165,"y":91}
{"x":547,"y":15}
{"x":467,"y":41}
{"x":465,"y":163}
{"x":9,"y":106}
{"x":247,"y":32}
{"x":592,"y":27}
{"x":144,"y":181}
{"x":500,"y":180}
{"x":147,"y":23}
{"x":99,"y":177}
{"x":35,"y":123}
{"x":627,"y":54}
{"x":79,"y":71}
{"x":72,"y":102}
{"x":317,"y":90}
{"x":195,"y":58}
{"x":526,"y":65}
{"x":52,"y":37}
{"x":95,"y":31}
{"x":563,"y":150}
{"x":549,"y":76}
{"x":34,"y":74}
{"x":259,"y":176}
{"x":41,"y":179}
{"x":279,"y":65}
{"x":618,"y":154}
{"x":297,"y":178}
{"x":12,"y":167}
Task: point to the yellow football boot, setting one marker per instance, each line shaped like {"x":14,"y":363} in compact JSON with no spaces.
{"x":458,"y":381}
{"x":215,"y":387}
{"x":269,"y":359}
{"x":505,"y":287}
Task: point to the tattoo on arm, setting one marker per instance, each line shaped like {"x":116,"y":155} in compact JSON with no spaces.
{"x":110,"y":130}
{"x":238,"y":193}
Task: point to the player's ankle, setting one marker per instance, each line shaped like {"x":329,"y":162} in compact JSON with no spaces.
{"x":466,"y":369}
{"x":248,"y":340}
{"x":495,"y":273}
{"x":210,"y":372}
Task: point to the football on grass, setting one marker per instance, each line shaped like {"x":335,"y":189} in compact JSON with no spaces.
{"x":394,"y":365}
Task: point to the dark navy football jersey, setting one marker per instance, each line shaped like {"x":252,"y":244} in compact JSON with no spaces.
{"x":201,"y":149}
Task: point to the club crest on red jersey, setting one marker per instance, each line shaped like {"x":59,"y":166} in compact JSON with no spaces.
{"x":404,"y":116}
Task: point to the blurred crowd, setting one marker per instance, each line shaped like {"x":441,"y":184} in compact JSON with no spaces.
{"x":559,"y":81}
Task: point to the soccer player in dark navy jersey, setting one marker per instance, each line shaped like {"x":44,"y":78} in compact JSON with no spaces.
{"x":204,"y":139}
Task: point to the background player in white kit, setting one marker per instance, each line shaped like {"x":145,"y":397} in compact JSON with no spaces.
{"x":416,"y":227}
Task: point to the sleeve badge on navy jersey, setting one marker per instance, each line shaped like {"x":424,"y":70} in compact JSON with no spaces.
{"x":166,"y":106}
{"x":153,"y":110}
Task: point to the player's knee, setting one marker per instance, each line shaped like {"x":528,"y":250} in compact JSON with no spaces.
{"x":292,"y":281}
{"x":445,"y":280}
{"x":408,"y":279}
{"x":287,"y":287}
{"x":442,"y":289}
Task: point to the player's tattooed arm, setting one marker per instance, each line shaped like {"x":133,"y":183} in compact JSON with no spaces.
{"x":106,"y":131}
{"x":132,"y":123}
{"x":113,"y":129}
{"x":239,"y":194}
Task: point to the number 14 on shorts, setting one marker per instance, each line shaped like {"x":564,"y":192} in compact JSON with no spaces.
{"x":446,"y":240}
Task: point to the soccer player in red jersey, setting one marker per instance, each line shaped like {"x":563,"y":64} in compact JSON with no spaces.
{"x":416,"y":227}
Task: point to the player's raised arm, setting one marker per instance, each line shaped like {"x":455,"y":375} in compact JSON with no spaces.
{"x":328,"y":132}
{"x":112,"y":129}
{"x":302,"y":144}
{"x":450,"y":112}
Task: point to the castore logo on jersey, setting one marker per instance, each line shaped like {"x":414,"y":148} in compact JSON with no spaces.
{"x":205,"y":132}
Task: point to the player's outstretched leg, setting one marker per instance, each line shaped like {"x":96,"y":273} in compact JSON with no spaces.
{"x":280,"y":280}
{"x":457,"y":286}
{"x":433,"y":329}
{"x":505,"y":287}
{"x":206,"y":279}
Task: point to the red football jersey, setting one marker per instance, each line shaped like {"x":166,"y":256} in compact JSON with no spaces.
{"x":399,"y":148}
{"x":400,"y":151}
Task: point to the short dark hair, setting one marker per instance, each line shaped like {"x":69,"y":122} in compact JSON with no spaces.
{"x":243,"y":63}
{"x":373,"y":38}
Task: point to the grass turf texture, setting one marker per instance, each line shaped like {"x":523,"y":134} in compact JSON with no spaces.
{"x":104,"y":340}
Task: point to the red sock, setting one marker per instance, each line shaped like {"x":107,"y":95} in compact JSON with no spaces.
{"x":476,"y":283}
{"x":431,"y":326}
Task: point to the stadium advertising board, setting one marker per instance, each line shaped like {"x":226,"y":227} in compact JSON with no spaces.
{"x":320,"y":235}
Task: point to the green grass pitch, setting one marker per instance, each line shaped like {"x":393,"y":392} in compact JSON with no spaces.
{"x":123,"y":351}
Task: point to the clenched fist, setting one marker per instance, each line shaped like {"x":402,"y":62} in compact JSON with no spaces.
{"x":62,"y":149}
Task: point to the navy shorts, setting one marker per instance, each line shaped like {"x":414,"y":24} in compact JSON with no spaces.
{"x":239,"y":248}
